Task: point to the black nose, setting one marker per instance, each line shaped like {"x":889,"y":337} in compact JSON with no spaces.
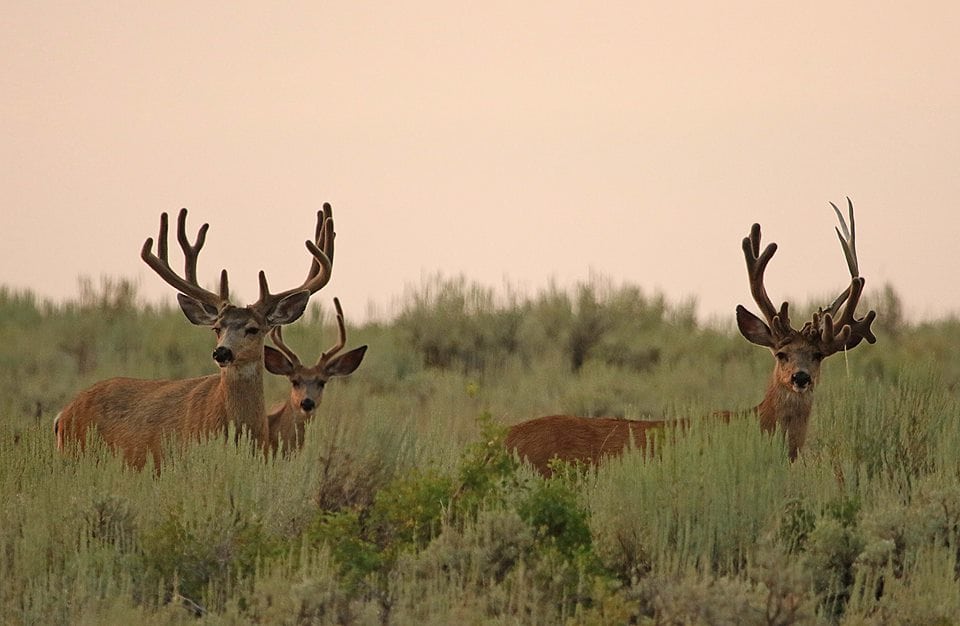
{"x":307,"y":404}
{"x":801,"y":379}
{"x":223,"y":355}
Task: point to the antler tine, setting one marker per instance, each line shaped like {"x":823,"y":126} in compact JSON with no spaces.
{"x":276,"y":336}
{"x":321,"y":268}
{"x":342,"y":338}
{"x":780,"y":324}
{"x":756,"y":265}
{"x":190,"y":252}
{"x":323,"y":237}
{"x":848,"y":239}
{"x":160,"y":264}
{"x":859,"y":329}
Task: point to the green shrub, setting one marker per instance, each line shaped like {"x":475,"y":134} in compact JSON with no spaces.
{"x":833,"y":547}
{"x":408,"y":512}
{"x":344,"y":538}
{"x":191,"y":559}
{"x":558,"y":519}
{"x":487,"y":470}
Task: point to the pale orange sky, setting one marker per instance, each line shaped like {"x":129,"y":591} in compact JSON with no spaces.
{"x":508,"y":141}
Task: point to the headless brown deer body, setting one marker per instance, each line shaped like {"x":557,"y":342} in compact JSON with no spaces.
{"x":788,"y":400}
{"x":576,"y":439}
{"x":135,"y":416}
{"x":288,"y":421}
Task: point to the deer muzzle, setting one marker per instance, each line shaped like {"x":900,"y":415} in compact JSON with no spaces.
{"x":223,"y":356}
{"x":801,"y":381}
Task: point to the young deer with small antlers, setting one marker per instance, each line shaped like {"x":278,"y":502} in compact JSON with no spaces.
{"x":789,"y":397}
{"x":135,"y":416}
{"x":288,"y":421}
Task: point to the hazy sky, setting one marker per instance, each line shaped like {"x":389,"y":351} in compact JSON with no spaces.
{"x":513,"y":142}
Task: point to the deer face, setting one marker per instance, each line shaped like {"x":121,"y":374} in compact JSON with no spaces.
{"x":798,"y":357}
{"x":306,"y":391}
{"x":798,"y":364}
{"x":307,"y":383}
{"x":241,"y":331}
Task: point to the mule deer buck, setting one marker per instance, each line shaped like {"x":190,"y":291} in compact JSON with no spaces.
{"x":287,"y":421}
{"x":135,"y":416}
{"x":788,"y":400}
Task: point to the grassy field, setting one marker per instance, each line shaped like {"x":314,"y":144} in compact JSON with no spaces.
{"x":403,"y":507}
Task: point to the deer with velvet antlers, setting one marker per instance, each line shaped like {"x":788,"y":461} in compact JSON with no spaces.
{"x":788,"y":400}
{"x":287,"y":421}
{"x":136,"y":416}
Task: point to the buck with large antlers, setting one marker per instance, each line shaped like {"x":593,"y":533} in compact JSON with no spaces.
{"x":789,"y":397}
{"x":135,"y":416}
{"x":287,"y":421}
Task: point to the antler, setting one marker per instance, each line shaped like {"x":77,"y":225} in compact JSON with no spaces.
{"x":320,"y":269}
{"x":778,"y":321}
{"x":342,"y":338}
{"x":826,"y":322}
{"x":848,"y":241}
{"x":187,"y":285}
{"x":276,"y":335}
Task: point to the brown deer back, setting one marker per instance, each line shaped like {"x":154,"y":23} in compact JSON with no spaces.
{"x":133,"y":415}
{"x":577,"y":439}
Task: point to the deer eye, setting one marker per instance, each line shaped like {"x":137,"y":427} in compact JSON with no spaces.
{"x":296,"y":383}
{"x":818,"y":356}
{"x":217,"y":330}
{"x":782,"y":357}
{"x":253,"y":330}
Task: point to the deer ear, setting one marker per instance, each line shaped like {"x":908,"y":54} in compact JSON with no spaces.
{"x":289,"y":309}
{"x":753,"y":328}
{"x":276,"y":362}
{"x":346,"y":363}
{"x":197,"y":312}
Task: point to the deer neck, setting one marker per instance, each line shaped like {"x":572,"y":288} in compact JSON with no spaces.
{"x":788,"y":411}
{"x":243,"y":399}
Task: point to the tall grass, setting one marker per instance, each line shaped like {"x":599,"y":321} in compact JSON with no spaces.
{"x":403,"y":505}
